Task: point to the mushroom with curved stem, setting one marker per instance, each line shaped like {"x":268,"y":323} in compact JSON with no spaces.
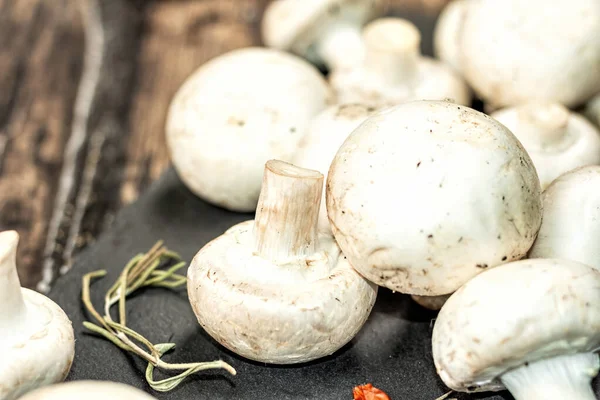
{"x":323,"y":139}
{"x":36,"y":334}
{"x":236,"y":112}
{"x":512,"y":53}
{"x":90,"y":390}
{"x":571,"y":224}
{"x":278,"y":291}
{"x":326,"y":32}
{"x":592,"y":110}
{"x":557,"y":139}
{"x":446,"y":33}
{"x":538,"y":341}
{"x":394,"y":71}
{"x":425,"y":195}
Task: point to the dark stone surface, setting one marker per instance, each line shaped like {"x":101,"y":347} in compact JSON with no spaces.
{"x":392,"y":351}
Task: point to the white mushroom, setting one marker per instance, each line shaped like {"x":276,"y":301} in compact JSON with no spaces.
{"x":530,"y":326}
{"x":323,"y":31}
{"x":556,"y":139}
{"x":516,"y":51}
{"x":446,"y":34}
{"x":325,"y":136}
{"x":425,"y":195}
{"x":277,"y":291}
{"x":236,"y":112}
{"x":592,"y":110}
{"x":571,"y":224}
{"x":88,"y":390}
{"x":394,"y":71}
{"x":35,"y":333}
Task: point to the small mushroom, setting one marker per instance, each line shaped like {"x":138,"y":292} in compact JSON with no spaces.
{"x":236,"y":112}
{"x":571,"y":224}
{"x":36,"y":334}
{"x":530,"y":326}
{"x":515,"y":51}
{"x":277,"y":291}
{"x":425,"y":195}
{"x":326,"y":32}
{"x":556,"y":139}
{"x":592,"y":110}
{"x":88,"y":390}
{"x":446,"y":34}
{"x":394,"y":71}
{"x":325,"y":136}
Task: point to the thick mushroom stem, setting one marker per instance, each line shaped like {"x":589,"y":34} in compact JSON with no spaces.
{"x":557,"y":378}
{"x":342,"y":46}
{"x":392,"y":50}
{"x":12,"y":305}
{"x":543,"y":125}
{"x":285,"y":226}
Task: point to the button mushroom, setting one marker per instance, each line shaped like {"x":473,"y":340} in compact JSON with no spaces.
{"x":538,"y":341}
{"x":325,"y":135}
{"x":37,"y":336}
{"x":326,"y":32}
{"x":89,"y":390}
{"x":515,"y":51}
{"x":446,"y":34}
{"x":236,"y":112}
{"x":556,"y":139}
{"x":425,"y":195}
{"x":394,"y":71}
{"x":571,"y":224}
{"x":273,"y":289}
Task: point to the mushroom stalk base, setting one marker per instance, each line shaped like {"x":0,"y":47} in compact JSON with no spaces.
{"x":558,"y":378}
{"x":285,"y":226}
{"x":12,"y":305}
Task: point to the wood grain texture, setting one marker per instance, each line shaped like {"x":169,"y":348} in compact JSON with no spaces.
{"x":84,"y":92}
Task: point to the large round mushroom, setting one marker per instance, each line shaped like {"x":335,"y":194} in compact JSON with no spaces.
{"x":531,"y":326}
{"x":425,"y":195}
{"x":277,"y":290}
{"x":236,"y":112}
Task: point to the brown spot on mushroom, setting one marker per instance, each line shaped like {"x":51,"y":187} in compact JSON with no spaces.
{"x":483,"y":266}
{"x":476,"y":340}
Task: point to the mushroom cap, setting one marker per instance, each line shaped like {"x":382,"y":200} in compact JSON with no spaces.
{"x":592,"y":110}
{"x":571,"y":225}
{"x":516,"y":51}
{"x":556,"y":139}
{"x":40,"y":352}
{"x":446,"y":33}
{"x":236,"y":112}
{"x":395,"y":41}
{"x":283,"y":314}
{"x":326,"y":134}
{"x":517,"y":313}
{"x":425,"y":195}
{"x":295,"y":25}
{"x":90,"y":390}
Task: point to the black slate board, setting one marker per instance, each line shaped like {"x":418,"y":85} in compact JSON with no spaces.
{"x":392,"y":351}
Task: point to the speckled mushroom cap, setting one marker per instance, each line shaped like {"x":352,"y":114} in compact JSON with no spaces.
{"x":323,"y":139}
{"x":426,"y":195}
{"x":89,"y":390}
{"x":296,"y":25}
{"x":516,"y":51}
{"x":394,"y":70}
{"x":520,"y":312}
{"x":556,"y":139}
{"x":447,"y":33}
{"x":571,"y":224}
{"x":36,"y":336}
{"x":277,"y":291}
{"x":236,"y":112}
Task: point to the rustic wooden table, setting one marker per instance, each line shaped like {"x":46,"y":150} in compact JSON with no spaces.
{"x":84,"y":90}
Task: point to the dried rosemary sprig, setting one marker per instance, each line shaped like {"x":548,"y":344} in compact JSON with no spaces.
{"x":141,"y":271}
